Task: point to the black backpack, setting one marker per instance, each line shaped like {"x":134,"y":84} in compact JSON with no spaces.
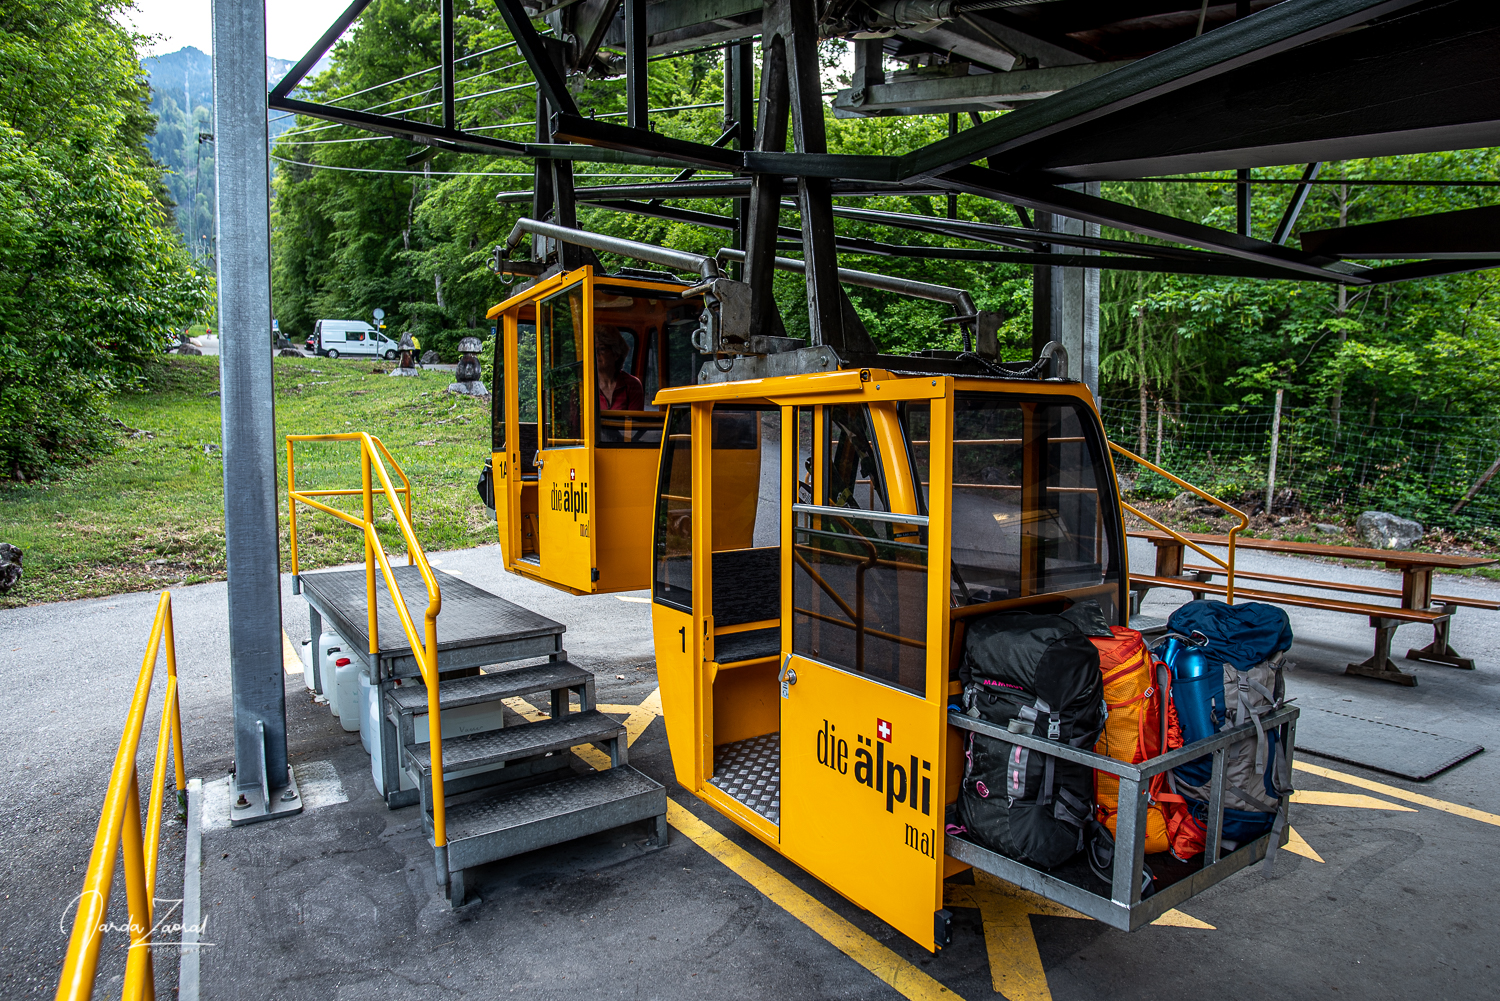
{"x":1034,"y":674}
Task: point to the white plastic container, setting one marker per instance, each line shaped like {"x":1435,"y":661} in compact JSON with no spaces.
{"x":366,"y":710}
{"x":332,"y":645}
{"x":347,"y":685}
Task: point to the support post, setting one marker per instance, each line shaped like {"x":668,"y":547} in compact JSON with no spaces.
{"x":1067,"y":310}
{"x":446,"y":59}
{"x":1294,"y":207}
{"x":952,"y":195}
{"x":765,"y":190}
{"x":796,"y":24}
{"x":1275,"y":443}
{"x":637,"y":96}
{"x":1242,"y":202}
{"x":739,"y":110}
{"x":247,"y":404}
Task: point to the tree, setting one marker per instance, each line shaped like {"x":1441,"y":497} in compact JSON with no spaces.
{"x":93,"y":280}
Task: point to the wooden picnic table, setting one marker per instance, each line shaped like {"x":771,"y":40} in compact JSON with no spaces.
{"x":1418,"y":603}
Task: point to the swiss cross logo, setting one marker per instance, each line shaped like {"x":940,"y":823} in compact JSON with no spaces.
{"x":572,"y":474}
{"x":883,"y":730}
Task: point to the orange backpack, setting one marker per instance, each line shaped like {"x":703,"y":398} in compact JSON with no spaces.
{"x":1133,"y":733}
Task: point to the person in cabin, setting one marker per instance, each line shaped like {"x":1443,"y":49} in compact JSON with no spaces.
{"x":618,"y":389}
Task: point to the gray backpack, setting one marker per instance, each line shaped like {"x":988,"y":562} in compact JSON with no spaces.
{"x":1257,"y":770}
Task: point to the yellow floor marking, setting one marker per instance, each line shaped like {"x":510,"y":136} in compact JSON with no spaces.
{"x":1015,"y":962}
{"x":1176,"y":919}
{"x":858,"y":946}
{"x":291,"y":660}
{"x":1297,"y":846}
{"x":1353,"y":800}
{"x":634,"y":599}
{"x":1401,"y":794}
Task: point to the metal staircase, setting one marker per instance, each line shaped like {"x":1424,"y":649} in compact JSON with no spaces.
{"x":507,"y":784}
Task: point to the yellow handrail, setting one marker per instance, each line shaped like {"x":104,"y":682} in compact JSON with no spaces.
{"x":1227,"y":564}
{"x":120,"y":831}
{"x":424,"y":649}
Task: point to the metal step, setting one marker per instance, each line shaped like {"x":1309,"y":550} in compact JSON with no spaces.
{"x":489,"y":828}
{"x":493,"y":747}
{"x":550,"y":677}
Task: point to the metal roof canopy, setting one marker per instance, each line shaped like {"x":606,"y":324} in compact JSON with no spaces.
{"x":1101,"y":90}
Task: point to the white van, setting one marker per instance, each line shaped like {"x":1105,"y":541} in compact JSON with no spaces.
{"x":333,"y":338}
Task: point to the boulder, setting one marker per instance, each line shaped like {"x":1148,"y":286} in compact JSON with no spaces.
{"x":404,"y":371}
{"x":10,"y":566}
{"x":430,"y":357}
{"x":1328,"y":529}
{"x":290,"y":352}
{"x":1383,"y":530}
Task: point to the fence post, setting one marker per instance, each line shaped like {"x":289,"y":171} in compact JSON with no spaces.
{"x":1158,"y":433}
{"x":1275,"y":442}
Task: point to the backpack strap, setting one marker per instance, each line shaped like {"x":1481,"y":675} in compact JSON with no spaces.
{"x":1019,"y":757}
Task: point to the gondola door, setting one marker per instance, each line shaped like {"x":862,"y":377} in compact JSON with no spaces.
{"x":565,"y":465}
{"x":863,"y":679}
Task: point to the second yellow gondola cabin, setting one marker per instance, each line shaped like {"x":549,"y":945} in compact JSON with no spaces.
{"x":815,"y":544}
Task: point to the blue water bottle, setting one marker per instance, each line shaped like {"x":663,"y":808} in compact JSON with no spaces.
{"x":1194,"y":685}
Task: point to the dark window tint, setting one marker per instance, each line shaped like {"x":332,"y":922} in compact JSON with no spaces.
{"x":562,"y":323}
{"x":673,"y":558}
{"x":1029,"y":515}
{"x":627,"y":325}
{"x":852,"y":473}
{"x":916,"y":427}
{"x":859,"y":596}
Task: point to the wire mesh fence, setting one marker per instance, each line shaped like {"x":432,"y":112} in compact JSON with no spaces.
{"x":1428,"y":466}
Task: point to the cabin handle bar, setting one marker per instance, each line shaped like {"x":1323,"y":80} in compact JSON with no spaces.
{"x":845,"y":512}
{"x":681,"y":260}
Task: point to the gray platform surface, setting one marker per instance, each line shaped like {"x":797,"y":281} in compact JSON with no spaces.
{"x":1384,"y":747}
{"x":469,"y":616}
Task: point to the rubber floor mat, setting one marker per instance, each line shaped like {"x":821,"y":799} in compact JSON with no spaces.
{"x":1384,"y":747}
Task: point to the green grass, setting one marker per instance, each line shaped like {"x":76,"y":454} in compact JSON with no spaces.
{"x":151,"y":514}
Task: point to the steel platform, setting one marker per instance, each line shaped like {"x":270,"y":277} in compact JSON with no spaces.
{"x":475,"y":628}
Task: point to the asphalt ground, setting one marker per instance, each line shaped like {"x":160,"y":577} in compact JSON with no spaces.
{"x":341,"y":902}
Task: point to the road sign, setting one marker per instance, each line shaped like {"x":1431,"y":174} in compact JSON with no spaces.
{"x":379,"y":313}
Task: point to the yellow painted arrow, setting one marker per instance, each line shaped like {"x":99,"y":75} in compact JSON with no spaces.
{"x":1354,"y":800}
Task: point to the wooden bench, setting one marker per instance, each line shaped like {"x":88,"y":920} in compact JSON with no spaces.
{"x":1327,"y":585}
{"x":1417,"y":602}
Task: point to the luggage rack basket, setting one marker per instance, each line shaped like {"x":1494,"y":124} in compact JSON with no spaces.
{"x":1123,"y":908}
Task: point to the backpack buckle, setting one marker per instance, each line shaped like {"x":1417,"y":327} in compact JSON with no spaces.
{"x":1054,"y":727}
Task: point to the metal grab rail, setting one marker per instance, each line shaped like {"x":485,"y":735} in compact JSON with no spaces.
{"x":120,"y":830}
{"x":424,"y":649}
{"x":1227,"y":564}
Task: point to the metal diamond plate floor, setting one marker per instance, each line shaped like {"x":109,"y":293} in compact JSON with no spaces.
{"x":750,"y":771}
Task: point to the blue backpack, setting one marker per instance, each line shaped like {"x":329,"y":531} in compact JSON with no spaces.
{"x":1244,"y":645}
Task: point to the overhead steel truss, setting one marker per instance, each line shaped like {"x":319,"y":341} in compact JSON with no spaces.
{"x":1100,"y":91}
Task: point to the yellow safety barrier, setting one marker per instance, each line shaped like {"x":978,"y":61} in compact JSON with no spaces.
{"x":1227,"y":564}
{"x":424,"y":647}
{"x":120,"y":830}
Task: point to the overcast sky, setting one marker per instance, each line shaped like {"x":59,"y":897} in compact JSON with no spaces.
{"x":292,"y":26}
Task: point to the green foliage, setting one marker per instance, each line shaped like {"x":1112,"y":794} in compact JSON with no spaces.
{"x":151,"y":513}
{"x":1414,"y":346}
{"x":416,"y":244}
{"x":93,"y":282}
